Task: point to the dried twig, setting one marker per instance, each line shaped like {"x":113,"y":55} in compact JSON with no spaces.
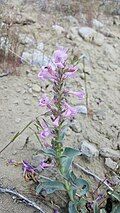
{"x":85,"y":81}
{"x":93,"y":175}
{"x":23,"y":198}
{"x":4,"y":74}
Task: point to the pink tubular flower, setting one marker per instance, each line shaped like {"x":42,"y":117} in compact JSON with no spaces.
{"x":47,"y":145}
{"x":27,"y":167}
{"x":71,"y":72}
{"x":45,"y":133}
{"x":47,"y":73}
{"x":59,"y":57}
{"x":56,"y":121}
{"x":69,"y":111}
{"x":44,"y":101}
{"x":43,"y":165}
{"x":80,"y":94}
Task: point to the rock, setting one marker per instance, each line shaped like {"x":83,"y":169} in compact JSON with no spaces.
{"x":35,"y":57}
{"x":116,"y":180}
{"x":30,"y":90}
{"x":110,"y":153}
{"x":18,"y":90}
{"x":26,"y":40}
{"x":116,"y":20}
{"x":72,"y":20}
{"x":111,"y":164}
{"x":87,"y":33}
{"x":110,"y":52}
{"x":73,"y":34}
{"x":100,"y":114}
{"x":91,"y":35}
{"x":27,"y":102}
{"x":75,"y":126}
{"x":59,"y":30}
{"x":5,"y":44}
{"x":17,"y":120}
{"x":82,"y":109}
{"x":36,"y":88}
{"x":97,"y":24}
{"x":40,"y":46}
{"x":89,"y":150}
{"x":98,"y":39}
{"x":16,"y":102}
{"x":116,"y":11}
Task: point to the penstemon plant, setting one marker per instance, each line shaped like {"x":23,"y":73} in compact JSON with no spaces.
{"x":60,"y":114}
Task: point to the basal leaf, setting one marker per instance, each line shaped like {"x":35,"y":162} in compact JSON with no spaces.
{"x":49,"y":186}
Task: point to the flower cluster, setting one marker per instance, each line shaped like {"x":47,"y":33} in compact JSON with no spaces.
{"x":60,"y":110}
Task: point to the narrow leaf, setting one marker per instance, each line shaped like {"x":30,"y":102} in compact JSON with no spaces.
{"x":84,"y":185}
{"x":70,"y":152}
{"x":115,"y":195}
{"x":49,"y":152}
{"x":66,"y":163}
{"x":72,"y":207}
{"x":96,"y":208}
{"x":49,"y":186}
{"x":116,"y":209}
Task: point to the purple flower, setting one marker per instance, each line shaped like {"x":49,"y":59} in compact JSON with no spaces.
{"x":55,"y":211}
{"x":43,"y":165}
{"x":44,"y":101}
{"x":47,"y":145}
{"x":27,"y":167}
{"x":45,"y":133}
{"x":71,"y":72}
{"x":80,"y":94}
{"x":11,"y":161}
{"x":59,"y":57}
{"x":56,"y":121}
{"x":100,"y":197}
{"x":69,"y":111}
{"x":47,"y":73}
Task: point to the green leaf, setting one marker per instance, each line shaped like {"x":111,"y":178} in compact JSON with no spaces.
{"x":116,"y":209}
{"x":70,"y":152}
{"x":96,"y":208}
{"x":84,"y":185}
{"x":83,"y":211}
{"x":72,"y":207}
{"x":62,"y":133}
{"x":82,"y":203}
{"x":49,"y":186}
{"x":72,"y":176}
{"x":66,"y":163}
{"x":102,"y":211}
{"x":49,"y":151}
{"x":72,"y":193}
{"x":114,"y":195}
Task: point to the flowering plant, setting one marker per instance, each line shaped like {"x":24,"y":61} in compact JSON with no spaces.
{"x":60,"y":113}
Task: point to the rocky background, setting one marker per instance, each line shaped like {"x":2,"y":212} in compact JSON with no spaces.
{"x":32,"y":30}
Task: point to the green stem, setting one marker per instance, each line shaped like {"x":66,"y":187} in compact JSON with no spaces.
{"x":57,"y":143}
